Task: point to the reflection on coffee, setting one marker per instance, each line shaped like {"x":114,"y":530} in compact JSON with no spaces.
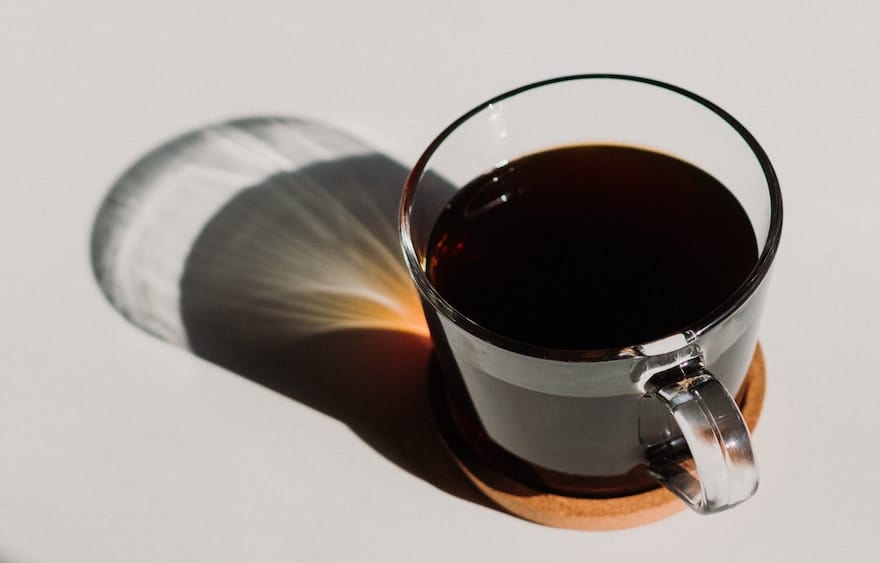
{"x":591,"y":246}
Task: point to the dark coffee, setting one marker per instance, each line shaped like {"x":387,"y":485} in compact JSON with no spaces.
{"x":591,"y":246}
{"x":582,"y":247}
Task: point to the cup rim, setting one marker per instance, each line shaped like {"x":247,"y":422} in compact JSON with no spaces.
{"x":691,"y":332}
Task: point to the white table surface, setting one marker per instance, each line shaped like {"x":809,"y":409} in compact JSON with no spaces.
{"x":115,"y":446}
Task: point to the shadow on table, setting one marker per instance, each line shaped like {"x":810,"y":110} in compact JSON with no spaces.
{"x":269,"y":247}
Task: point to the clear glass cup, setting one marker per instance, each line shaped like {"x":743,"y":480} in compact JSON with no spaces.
{"x":602,"y":422}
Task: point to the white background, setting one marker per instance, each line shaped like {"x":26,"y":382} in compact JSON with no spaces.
{"x":117,"y":447}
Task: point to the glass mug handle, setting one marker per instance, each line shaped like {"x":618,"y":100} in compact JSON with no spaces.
{"x":716,"y":470}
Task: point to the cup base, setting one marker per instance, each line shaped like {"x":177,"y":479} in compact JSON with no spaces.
{"x":560,"y":511}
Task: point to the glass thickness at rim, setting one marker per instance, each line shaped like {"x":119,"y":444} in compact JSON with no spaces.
{"x":718,"y":315}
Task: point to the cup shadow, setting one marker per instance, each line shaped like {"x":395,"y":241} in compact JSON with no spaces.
{"x":291,"y":277}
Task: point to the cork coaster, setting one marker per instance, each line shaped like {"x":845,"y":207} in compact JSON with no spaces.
{"x":586,"y":513}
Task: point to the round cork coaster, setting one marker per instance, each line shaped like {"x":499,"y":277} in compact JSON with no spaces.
{"x":586,"y":513}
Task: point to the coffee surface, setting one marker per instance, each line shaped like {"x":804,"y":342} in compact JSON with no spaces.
{"x":588,"y":247}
